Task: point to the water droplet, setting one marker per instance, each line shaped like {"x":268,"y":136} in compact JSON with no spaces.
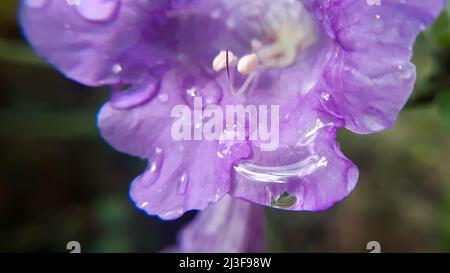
{"x":98,"y":10}
{"x":405,"y":72}
{"x":352,"y":178}
{"x":183,"y":181}
{"x":215,"y":198}
{"x":280,"y":174}
{"x":191,"y":92}
{"x":212,"y":94}
{"x":423,"y":27}
{"x":325,"y":95}
{"x":116,"y":69}
{"x":215,"y":14}
{"x":73,"y":2}
{"x":36,"y":3}
{"x":207,"y":89}
{"x":373,"y":119}
{"x":151,"y":175}
{"x":172,"y":214}
{"x":163,"y":97}
{"x":126,"y":97}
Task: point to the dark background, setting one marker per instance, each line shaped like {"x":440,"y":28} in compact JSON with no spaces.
{"x":59,"y":181}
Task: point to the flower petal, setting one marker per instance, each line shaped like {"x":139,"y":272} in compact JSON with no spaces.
{"x":181,"y":175}
{"x":307,"y":171}
{"x":230,"y":226}
{"x":97,"y":42}
{"x":372,"y":76}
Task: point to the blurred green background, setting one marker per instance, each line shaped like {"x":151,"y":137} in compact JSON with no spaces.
{"x":59,"y":181}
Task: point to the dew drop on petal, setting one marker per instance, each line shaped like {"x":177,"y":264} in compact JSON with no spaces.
{"x":152,"y":173}
{"x":215,"y":198}
{"x":163,"y":97}
{"x":133,"y":96}
{"x":352,"y":178}
{"x":209,"y":91}
{"x":373,"y":119}
{"x":183,"y":181}
{"x":212,"y":94}
{"x":172,"y":214}
{"x":116,"y":69}
{"x":73,"y":2}
{"x":36,"y":3}
{"x":98,"y":10}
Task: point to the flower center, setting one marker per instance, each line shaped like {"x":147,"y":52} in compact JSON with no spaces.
{"x":287,"y":30}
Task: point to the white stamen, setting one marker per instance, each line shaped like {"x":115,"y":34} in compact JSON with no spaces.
{"x":220,"y":61}
{"x":248,"y":64}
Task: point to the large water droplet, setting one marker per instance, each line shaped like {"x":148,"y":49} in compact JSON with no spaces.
{"x":131,"y":96}
{"x":98,"y":10}
{"x":280,"y":174}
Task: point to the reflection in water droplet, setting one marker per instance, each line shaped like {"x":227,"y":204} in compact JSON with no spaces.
{"x":98,"y":10}
{"x":284,"y":201}
{"x":183,"y":181}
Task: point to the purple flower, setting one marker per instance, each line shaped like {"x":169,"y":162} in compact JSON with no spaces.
{"x":328,"y":64}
